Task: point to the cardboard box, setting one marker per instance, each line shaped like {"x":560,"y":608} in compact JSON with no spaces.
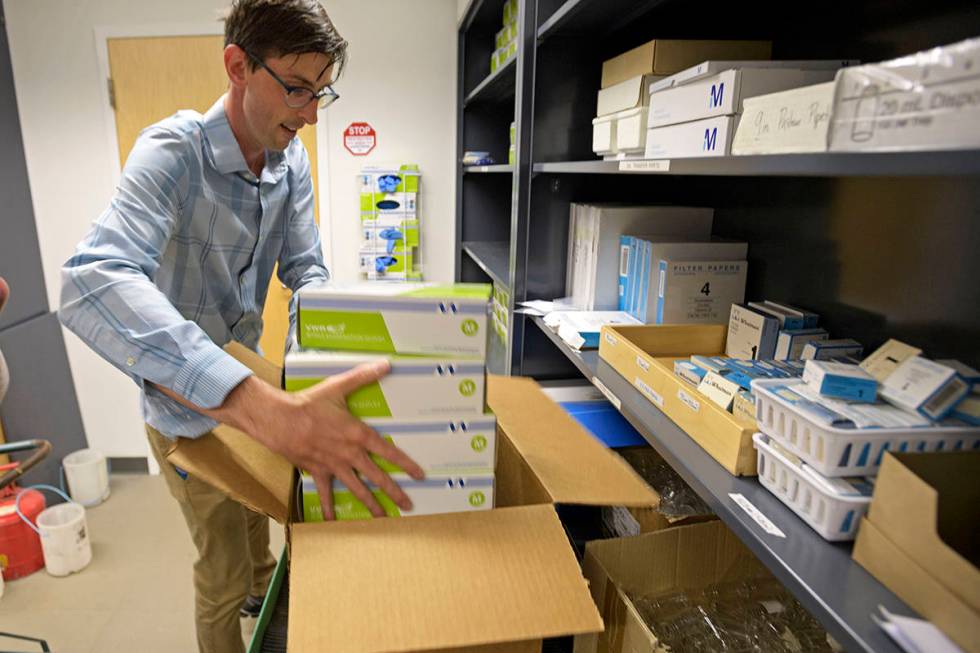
{"x":924,"y":101}
{"x":700,"y":138}
{"x":631,"y":131}
{"x":716,"y":67}
{"x":417,"y":387}
{"x":628,"y":94}
{"x":919,"y":538}
{"x":676,"y":559}
{"x":789,"y":122}
{"x":698,"y":292}
{"x":645,"y":355}
{"x":413,"y":318}
{"x":438,"y":493}
{"x":604,"y":135}
{"x":666,"y":57}
{"x":515,"y":557}
{"x":722,"y":94}
{"x":449,"y":445}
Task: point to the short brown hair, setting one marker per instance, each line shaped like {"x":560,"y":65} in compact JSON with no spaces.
{"x":274,"y":28}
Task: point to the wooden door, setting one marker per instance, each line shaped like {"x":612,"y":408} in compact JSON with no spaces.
{"x":154,"y":77}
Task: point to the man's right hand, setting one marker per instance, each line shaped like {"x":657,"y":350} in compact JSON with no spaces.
{"x":314,"y":430}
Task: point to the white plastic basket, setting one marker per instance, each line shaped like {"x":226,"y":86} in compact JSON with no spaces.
{"x":835,"y":517}
{"x":848,"y":452}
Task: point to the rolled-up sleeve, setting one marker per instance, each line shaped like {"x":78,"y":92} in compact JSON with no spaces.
{"x":108,"y":298}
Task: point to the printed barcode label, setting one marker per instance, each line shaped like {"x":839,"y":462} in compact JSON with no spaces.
{"x":691,"y":402}
{"x":661,"y":165}
{"x":624,"y":259}
{"x":613,"y":399}
{"x":642,"y":364}
{"x":649,"y":392}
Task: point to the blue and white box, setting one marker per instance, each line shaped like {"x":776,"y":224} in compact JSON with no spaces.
{"x":787,"y":319}
{"x":810,"y":318}
{"x":790,"y":343}
{"x":823,"y":350}
{"x":699,"y":292}
{"x":840,"y":381}
{"x":625,"y":251}
{"x":699,"y":138}
{"x":689,"y":371}
{"x":926,"y":387}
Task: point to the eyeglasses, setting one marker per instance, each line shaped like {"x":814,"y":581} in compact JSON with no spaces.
{"x":298,"y":97}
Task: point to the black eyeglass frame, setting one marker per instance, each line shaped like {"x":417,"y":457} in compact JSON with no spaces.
{"x":324,"y":98}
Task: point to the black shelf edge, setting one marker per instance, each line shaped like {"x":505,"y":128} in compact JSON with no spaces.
{"x":496,"y":168}
{"x":585,"y":360}
{"x":497,"y":86}
{"x":593,"y":16}
{"x":823,"y":164}
{"x":493,"y":257}
{"x":820,"y":574}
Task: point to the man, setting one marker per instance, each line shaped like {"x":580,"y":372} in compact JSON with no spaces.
{"x":179,"y":265}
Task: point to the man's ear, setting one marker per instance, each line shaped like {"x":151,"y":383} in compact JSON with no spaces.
{"x":236,"y":65}
{"x":4,"y":292}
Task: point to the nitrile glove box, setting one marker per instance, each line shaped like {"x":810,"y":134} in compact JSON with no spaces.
{"x":378,"y":204}
{"x":436,"y":494}
{"x":416,"y":387}
{"x":699,"y":138}
{"x":388,"y":180}
{"x":722,"y":94}
{"x":840,"y":381}
{"x":402,"y":318}
{"x":440,"y":445}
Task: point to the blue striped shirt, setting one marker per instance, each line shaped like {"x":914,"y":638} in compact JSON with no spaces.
{"x":179,"y":264}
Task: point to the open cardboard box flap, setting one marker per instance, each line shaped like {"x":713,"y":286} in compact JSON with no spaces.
{"x":477,"y":581}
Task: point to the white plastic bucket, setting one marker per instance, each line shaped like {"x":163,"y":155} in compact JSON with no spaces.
{"x":87,"y":473}
{"x":64,"y":539}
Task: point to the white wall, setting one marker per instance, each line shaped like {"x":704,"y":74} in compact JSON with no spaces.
{"x":461,"y":7}
{"x":401,"y":79}
{"x":69,"y":160}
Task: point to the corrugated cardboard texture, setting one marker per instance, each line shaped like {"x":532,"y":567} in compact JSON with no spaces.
{"x":665,"y":57}
{"x":515,"y":483}
{"x":571,"y":465}
{"x":686,"y":557}
{"x":928,"y":505}
{"x":911,"y":583}
{"x":435,"y":582}
{"x":237,"y":464}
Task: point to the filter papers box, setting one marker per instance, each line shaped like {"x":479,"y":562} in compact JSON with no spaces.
{"x":435,"y":495}
{"x":403,"y":318}
{"x":415,"y":387}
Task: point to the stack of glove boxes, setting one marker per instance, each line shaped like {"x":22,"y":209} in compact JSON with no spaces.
{"x":390,"y":246}
{"x":432,"y":403}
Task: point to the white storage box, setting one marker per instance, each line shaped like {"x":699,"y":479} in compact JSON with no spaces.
{"x":631,"y":131}
{"x":925,"y":101}
{"x":722,"y":94}
{"x":700,"y":138}
{"x":634,"y":92}
{"x":604,"y":135}
{"x":835,"y":516}
{"x":787,"y":122}
{"x":844,"y":451}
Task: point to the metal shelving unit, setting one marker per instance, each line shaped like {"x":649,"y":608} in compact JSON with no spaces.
{"x":497,"y":87}
{"x":822,"y":576}
{"x":492,"y":257}
{"x":830,"y":164}
{"x":864,"y":239}
{"x":491,"y":169}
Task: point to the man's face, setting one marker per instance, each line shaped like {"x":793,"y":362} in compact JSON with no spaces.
{"x":271,"y":121}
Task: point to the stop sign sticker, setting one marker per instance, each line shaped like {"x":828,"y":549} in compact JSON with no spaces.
{"x":360,"y":138}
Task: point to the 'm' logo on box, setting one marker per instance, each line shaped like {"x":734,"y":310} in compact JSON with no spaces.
{"x":710,"y":139}
{"x":717,"y":95}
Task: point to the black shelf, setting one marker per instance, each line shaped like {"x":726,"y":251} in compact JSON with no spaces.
{"x":493,"y":258}
{"x":497,"y":87}
{"x":829,"y":164}
{"x":576,"y":17}
{"x":491,"y":169}
{"x":821,"y":574}
{"x":586,"y":360}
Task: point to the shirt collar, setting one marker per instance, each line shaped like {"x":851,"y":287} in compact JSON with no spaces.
{"x":226,"y":152}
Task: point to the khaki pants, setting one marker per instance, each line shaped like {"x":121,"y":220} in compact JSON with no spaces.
{"x":233,"y":554}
